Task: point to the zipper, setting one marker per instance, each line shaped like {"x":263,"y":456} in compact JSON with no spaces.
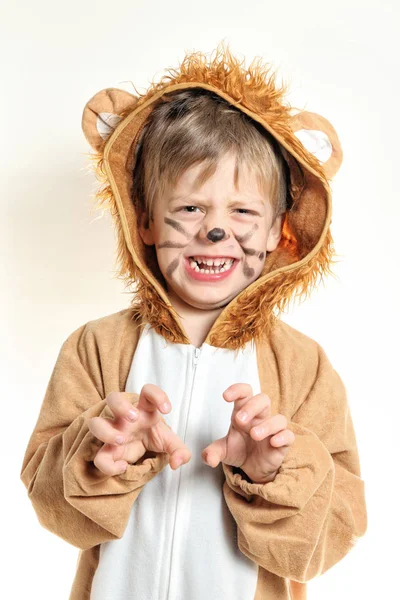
{"x":195,"y":360}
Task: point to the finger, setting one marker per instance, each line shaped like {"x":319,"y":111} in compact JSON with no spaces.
{"x":175,"y":448}
{"x":215,"y":452}
{"x":122,"y":406}
{"x":104,"y":462}
{"x":153,"y":398}
{"x":283,"y":438}
{"x":103,"y":429}
{"x":257,"y":406}
{"x":269,"y":427}
{"x":238,"y":393}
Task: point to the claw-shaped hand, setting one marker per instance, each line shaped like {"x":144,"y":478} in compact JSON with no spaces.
{"x":258,"y":443}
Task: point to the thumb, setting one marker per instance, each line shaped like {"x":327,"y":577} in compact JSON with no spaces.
{"x":173,"y":445}
{"x":214,"y":453}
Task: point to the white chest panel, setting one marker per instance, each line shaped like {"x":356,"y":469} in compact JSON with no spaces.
{"x":180,"y":542}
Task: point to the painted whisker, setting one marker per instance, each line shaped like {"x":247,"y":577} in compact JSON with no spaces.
{"x":171,"y":245}
{"x":177,"y":226}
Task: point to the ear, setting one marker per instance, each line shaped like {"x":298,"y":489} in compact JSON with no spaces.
{"x":318,"y":137}
{"x":275,"y":233}
{"x":102,"y":113}
{"x":145,"y":231}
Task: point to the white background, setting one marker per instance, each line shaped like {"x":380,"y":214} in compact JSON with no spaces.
{"x":341,"y":60}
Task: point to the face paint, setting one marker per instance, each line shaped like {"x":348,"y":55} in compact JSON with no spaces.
{"x":213,"y":223}
{"x":171,"y":245}
{"x":172,"y":266}
{"x":248,"y":235}
{"x":177,"y":226}
{"x":216,"y":234}
{"x":248,"y":271}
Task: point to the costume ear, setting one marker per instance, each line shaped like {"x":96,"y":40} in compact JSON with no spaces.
{"x":319,"y":137}
{"x":102,"y":113}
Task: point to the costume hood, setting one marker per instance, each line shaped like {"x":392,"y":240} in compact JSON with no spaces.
{"x":112,"y":122}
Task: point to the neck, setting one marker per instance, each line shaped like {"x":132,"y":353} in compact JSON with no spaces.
{"x":196,"y":322}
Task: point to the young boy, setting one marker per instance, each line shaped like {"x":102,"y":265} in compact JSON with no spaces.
{"x":222,"y":213}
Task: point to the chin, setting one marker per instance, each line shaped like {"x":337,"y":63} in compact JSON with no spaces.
{"x":207,"y":305}
{"x":211,"y":307}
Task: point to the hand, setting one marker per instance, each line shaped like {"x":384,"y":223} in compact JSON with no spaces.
{"x":259,"y":455}
{"x":135,"y":430}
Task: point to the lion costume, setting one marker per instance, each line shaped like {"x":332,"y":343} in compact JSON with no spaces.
{"x":151,"y":532}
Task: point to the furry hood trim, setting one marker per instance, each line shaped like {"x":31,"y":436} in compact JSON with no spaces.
{"x":112,"y":122}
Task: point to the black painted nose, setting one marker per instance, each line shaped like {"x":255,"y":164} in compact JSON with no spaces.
{"x":216,"y":234}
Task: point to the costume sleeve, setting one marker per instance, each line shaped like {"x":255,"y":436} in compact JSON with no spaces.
{"x":71,"y":497}
{"x":312,"y":514}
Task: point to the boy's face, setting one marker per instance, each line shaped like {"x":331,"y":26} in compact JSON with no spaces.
{"x":215,"y":223}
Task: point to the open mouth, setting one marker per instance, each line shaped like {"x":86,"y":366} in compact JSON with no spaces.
{"x":210,"y":265}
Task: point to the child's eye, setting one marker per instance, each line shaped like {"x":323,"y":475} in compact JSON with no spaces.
{"x":244,"y":211}
{"x":188,"y":208}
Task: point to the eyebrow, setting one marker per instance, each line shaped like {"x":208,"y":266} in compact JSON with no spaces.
{"x":230,"y":203}
{"x":253,"y":202}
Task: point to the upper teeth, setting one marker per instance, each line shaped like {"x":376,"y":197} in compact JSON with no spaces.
{"x":210,"y":262}
{"x":210,"y":265}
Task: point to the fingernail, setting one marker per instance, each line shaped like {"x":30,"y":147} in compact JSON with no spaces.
{"x":119,"y":439}
{"x":166,"y":406}
{"x":179,"y":462}
{"x":242,"y":415}
{"x":259,"y":430}
{"x":132,"y":414}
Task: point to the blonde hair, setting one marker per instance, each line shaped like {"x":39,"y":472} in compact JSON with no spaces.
{"x":195,"y":125}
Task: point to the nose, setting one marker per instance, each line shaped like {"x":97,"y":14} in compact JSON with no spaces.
{"x":214,"y":227}
{"x":216,"y":234}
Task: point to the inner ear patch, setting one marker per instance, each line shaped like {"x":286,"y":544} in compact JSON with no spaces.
{"x":316,"y":142}
{"x":103,"y":113}
{"x":106,"y":123}
{"x":318,"y":136}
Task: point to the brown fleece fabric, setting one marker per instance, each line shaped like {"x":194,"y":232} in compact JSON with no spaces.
{"x":295,"y":527}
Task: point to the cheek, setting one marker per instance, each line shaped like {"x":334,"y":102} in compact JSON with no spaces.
{"x":191,"y":226}
{"x":253,"y":263}
{"x":169,"y":258}
{"x":258,"y":244}
{"x":165,"y":256}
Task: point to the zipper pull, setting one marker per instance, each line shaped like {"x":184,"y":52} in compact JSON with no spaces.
{"x":196,"y":356}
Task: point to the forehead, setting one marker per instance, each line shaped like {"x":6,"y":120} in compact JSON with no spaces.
{"x":225,"y":179}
